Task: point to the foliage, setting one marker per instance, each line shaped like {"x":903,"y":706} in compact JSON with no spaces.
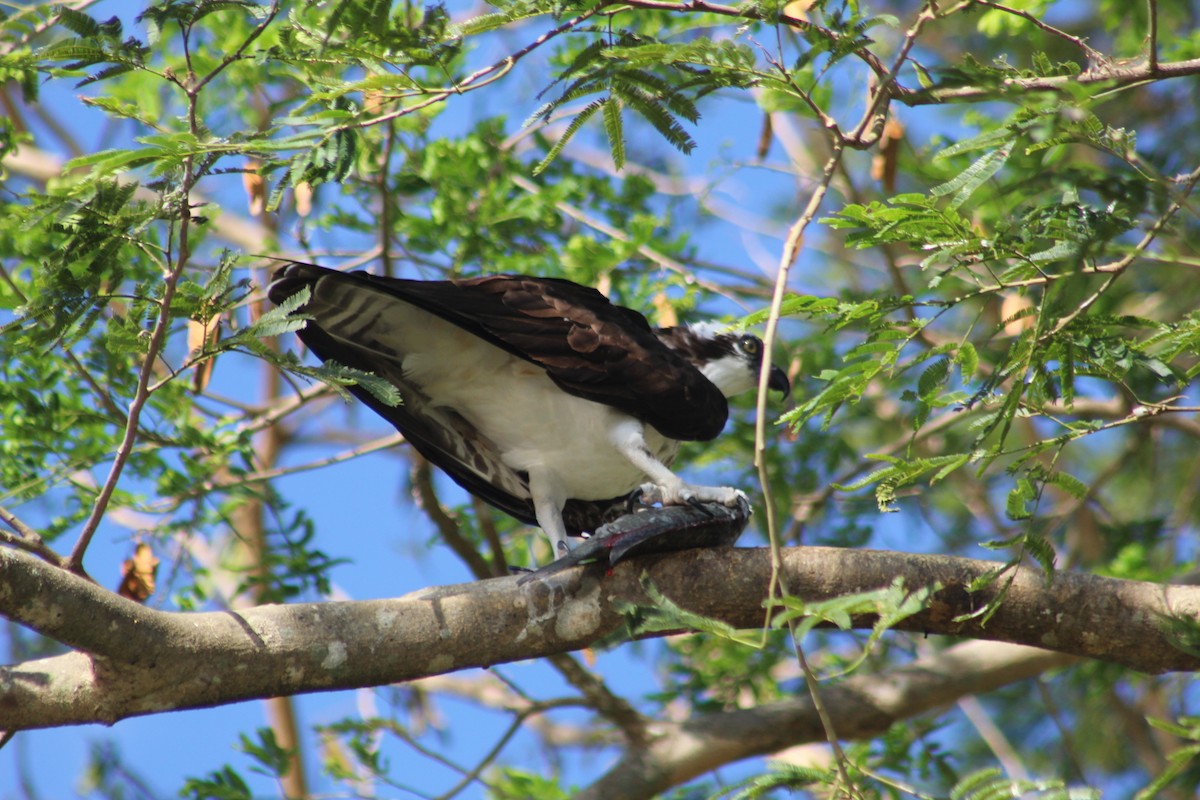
{"x":992,"y":320}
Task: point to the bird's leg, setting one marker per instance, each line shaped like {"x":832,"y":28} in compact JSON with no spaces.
{"x":665,"y":487}
{"x":548,"y":503}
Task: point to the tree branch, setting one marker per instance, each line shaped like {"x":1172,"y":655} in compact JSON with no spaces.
{"x":612,"y":707}
{"x":864,"y":706}
{"x":1116,"y":74}
{"x":132,"y":660}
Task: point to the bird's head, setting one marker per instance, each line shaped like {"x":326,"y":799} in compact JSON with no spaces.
{"x":732,"y":360}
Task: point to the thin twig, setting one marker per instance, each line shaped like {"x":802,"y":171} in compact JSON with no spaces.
{"x":486,"y":520}
{"x":873,"y":114}
{"x":27,"y":533}
{"x":993,"y":737}
{"x":472,"y":775}
{"x":288,"y":405}
{"x":263,"y":475}
{"x":1094,"y":56}
{"x":427,"y":500}
{"x":600,"y":698}
{"x":237,"y":54}
{"x":140,"y":397}
{"x":158,"y":336}
{"x":27,"y":539}
{"x":791,"y":250}
{"x":1152,"y":34}
{"x":1124,"y":74}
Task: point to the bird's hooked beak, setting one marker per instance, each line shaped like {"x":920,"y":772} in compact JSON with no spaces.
{"x":778,"y":380}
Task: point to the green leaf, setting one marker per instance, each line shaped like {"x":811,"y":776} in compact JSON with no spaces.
{"x":83,"y":25}
{"x":573,"y":128}
{"x":224,"y":784}
{"x":974,"y":176}
{"x":666,"y":615}
{"x":933,"y":378}
{"x":992,"y":784}
{"x":282,"y":318}
{"x":1068,"y":483}
{"x":615,"y":131}
{"x":657,"y":113}
{"x":266,"y":751}
{"x":890,"y":606}
{"x":1019,"y":498}
{"x":950,"y":466}
{"x":967,"y":359}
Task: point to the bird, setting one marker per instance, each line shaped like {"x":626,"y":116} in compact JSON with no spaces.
{"x":538,"y":395}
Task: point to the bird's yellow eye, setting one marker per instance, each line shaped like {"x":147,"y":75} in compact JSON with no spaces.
{"x":750,"y":345}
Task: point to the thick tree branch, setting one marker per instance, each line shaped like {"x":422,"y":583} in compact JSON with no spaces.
{"x":864,"y":706}
{"x":132,"y":660}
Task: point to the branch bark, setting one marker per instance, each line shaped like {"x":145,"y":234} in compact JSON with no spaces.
{"x":129,"y":660}
{"x":863,"y":705}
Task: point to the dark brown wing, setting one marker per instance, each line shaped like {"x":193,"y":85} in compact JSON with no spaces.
{"x":588,"y":346}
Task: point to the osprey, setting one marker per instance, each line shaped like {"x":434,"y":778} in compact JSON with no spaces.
{"x":537,"y":395}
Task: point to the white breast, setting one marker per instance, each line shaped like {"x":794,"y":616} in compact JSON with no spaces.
{"x":534,"y":424}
